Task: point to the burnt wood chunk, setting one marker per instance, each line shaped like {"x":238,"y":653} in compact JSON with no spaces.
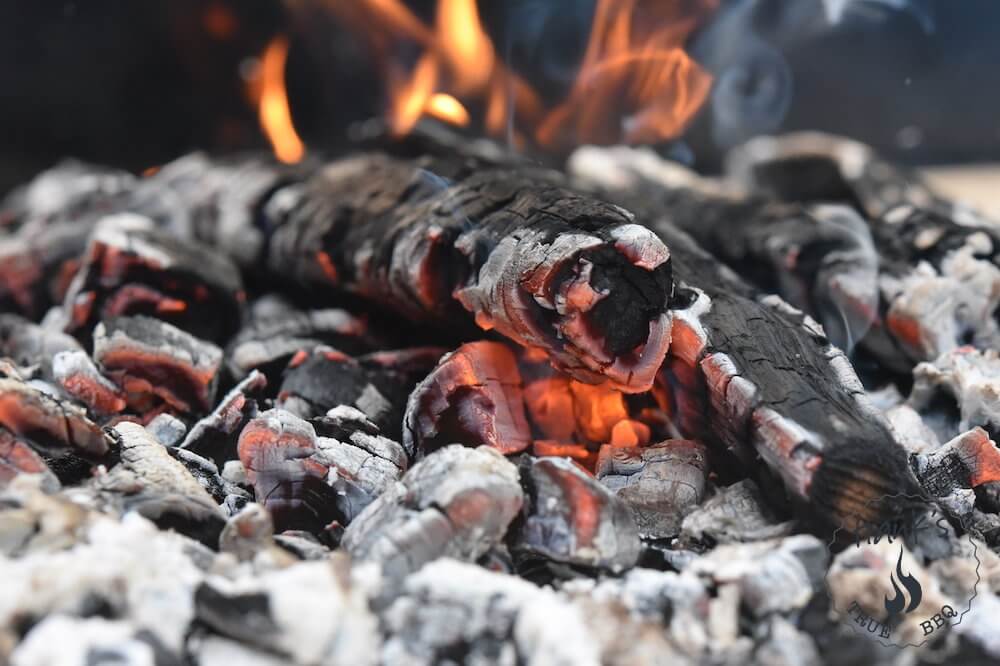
{"x":155,"y":361}
{"x":132,"y":268}
{"x":570,"y":517}
{"x":50,"y":220}
{"x":215,"y":436}
{"x":968,"y":461}
{"x":540,"y":264}
{"x":54,"y":427}
{"x":772,"y":385}
{"x":160,"y":488}
{"x":17,"y":458}
{"x":275,"y":332}
{"x":456,"y":503}
{"x":661,"y":483}
{"x":473,"y":397}
{"x":378,"y":384}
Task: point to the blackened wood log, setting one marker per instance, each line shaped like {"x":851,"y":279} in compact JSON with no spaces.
{"x":762,"y":378}
{"x":819,"y":257}
{"x":540,"y":264}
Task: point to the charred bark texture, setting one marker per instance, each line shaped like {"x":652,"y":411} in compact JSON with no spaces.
{"x":540,"y":264}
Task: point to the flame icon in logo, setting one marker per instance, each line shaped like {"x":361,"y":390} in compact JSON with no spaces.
{"x":895,"y":605}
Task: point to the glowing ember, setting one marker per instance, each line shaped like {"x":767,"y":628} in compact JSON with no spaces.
{"x":629,"y":433}
{"x":275,"y":114}
{"x":636,"y":83}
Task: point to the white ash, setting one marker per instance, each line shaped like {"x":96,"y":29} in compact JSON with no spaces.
{"x":736,"y":513}
{"x":958,"y":391}
{"x":167,"y":429}
{"x":948,"y":306}
{"x":151,"y":582}
{"x":315,"y":613}
{"x":502,"y":619}
{"x":772,"y":576}
{"x":456,"y":502}
{"x":71,"y":641}
{"x":911,"y":430}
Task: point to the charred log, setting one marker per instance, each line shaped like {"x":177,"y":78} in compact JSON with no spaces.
{"x":542,"y":265}
{"x":772,"y":384}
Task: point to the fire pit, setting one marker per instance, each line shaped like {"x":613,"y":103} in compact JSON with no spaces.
{"x":494,"y":378}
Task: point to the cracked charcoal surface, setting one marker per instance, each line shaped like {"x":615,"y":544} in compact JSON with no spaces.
{"x":205,"y":464}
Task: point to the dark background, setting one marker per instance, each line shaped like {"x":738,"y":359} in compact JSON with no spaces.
{"x":135,"y":84}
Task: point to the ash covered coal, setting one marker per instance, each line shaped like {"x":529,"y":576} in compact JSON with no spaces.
{"x":456,"y":408}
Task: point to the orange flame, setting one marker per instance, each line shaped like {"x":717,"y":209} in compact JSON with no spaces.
{"x":566,"y":410}
{"x":636,"y":83}
{"x":272,"y":104}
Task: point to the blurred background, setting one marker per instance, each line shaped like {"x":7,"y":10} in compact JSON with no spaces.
{"x":134,"y":84}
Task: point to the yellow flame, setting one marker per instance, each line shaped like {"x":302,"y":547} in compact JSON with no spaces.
{"x":275,"y":114}
{"x":445,"y":107}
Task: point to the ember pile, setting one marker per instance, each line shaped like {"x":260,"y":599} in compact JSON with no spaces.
{"x":458,"y":408}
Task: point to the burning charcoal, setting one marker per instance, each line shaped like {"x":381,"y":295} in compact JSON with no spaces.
{"x":450,"y":611}
{"x":761,"y":377}
{"x":278,"y":451}
{"x":572,"y":418}
{"x":350,"y":443}
{"x":940,"y":284}
{"x":660,"y":483}
{"x":60,"y":431}
{"x":249,"y":535}
{"x":130,"y":268}
{"x":216,"y":435}
{"x":77,"y":375}
{"x":570,"y":517}
{"x":820,"y":258}
{"x":456,"y":502}
{"x":811,"y":166}
{"x":377,"y":384}
{"x":274,"y":335}
{"x":17,"y":458}
{"x":958,"y":391}
{"x":148,"y":357}
{"x":737,"y":513}
{"x":53,"y":216}
{"x":542,"y":265}
{"x":273,"y":611}
{"x":968,"y":461}
{"x":30,"y":345}
{"x":59,"y":639}
{"x":472,"y":397}
{"x":161,"y":488}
